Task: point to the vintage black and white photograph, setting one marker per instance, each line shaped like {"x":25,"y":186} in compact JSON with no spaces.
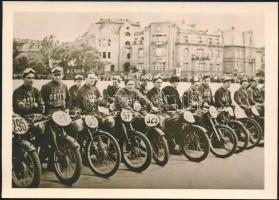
{"x":135,"y":99}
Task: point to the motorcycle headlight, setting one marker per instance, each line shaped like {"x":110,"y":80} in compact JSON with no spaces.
{"x":255,"y":111}
{"x":239,"y":113}
{"x":20,"y":125}
{"x":230,"y":111}
{"x":91,"y":121}
{"x":126,"y":115}
{"x":213,"y":111}
{"x":109,"y":122}
{"x":61,"y":118}
{"x":151,"y":120}
{"x":137,"y":106}
{"x":188,"y":116}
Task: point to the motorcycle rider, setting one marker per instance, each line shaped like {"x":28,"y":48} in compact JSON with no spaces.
{"x":223,"y":95}
{"x":88,"y":94}
{"x":192,"y":96}
{"x":55,"y":93}
{"x":172,"y":93}
{"x":156,"y":95}
{"x":26,"y":98}
{"x":241,"y":95}
{"x":73,"y":91}
{"x":127,"y":96}
{"x":110,"y":92}
{"x":205,"y":91}
{"x":143,"y":85}
{"x":255,"y":96}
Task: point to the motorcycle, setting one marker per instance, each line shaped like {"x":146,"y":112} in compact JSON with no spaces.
{"x":154,"y":133}
{"x":223,"y":141}
{"x":26,"y":165}
{"x":226,"y":117}
{"x":99,"y":150}
{"x":136,"y":149}
{"x":193,"y":139}
{"x":250,"y":123}
{"x":55,"y":146}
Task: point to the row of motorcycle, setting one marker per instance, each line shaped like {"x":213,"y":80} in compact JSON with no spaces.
{"x":64,"y":142}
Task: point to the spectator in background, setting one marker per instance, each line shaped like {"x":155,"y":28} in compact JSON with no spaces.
{"x":73,"y":91}
{"x":172,"y":94}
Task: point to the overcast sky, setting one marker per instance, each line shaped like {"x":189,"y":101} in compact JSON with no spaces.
{"x":69,"y":26}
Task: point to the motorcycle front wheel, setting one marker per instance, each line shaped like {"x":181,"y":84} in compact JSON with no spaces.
{"x":103,"y":154}
{"x":225,"y":146}
{"x":67,"y":162}
{"x":137,"y":154}
{"x":255,"y":132}
{"x":160,"y":150}
{"x":195,"y":144}
{"x":242,"y":136}
{"x":26,"y":167}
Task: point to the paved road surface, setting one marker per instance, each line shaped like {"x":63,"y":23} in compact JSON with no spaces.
{"x":241,"y":171}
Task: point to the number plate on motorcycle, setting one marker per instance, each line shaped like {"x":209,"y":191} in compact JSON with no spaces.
{"x":230,"y":111}
{"x":61,"y":118}
{"x":91,"y":121}
{"x":126,"y":115}
{"x":20,"y":125}
{"x":151,"y":120}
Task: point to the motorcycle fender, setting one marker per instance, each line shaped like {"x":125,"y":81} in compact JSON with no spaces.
{"x":69,"y":138}
{"x":236,"y":122}
{"x":157,"y":131}
{"x":25,"y":144}
{"x":197,"y":126}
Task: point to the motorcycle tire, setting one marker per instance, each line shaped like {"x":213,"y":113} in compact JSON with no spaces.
{"x":215,"y":143}
{"x":148,"y":156}
{"x":77,"y":157}
{"x":160,"y":141}
{"x":37,"y":168}
{"x":242,"y":136}
{"x":192,"y":133}
{"x":116,"y":155}
{"x":255,"y":131}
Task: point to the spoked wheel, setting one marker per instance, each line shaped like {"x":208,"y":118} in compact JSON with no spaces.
{"x":226,"y":144}
{"x":67,"y":162}
{"x":103,"y":154}
{"x":254,"y":132}
{"x":160,"y":150}
{"x":195,"y":144}
{"x":26,"y":171}
{"x":138,"y":154}
{"x":242,"y":135}
{"x":260,"y":120}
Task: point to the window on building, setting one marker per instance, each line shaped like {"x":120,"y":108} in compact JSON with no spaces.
{"x":251,"y":41}
{"x":100,"y":42}
{"x":128,"y":44}
{"x":140,"y":52}
{"x":127,"y":27}
{"x":109,"y":42}
{"x":160,"y":52}
{"x":127,"y":34}
{"x":186,"y":39}
{"x":163,"y":66}
{"x":217,"y":41}
{"x":159,"y":39}
{"x":108,"y":54}
{"x":211,"y":53}
{"x":200,"y":39}
{"x":218,"y":53}
{"x":186,"y":52}
{"x":210,"y":41}
{"x":104,"y":55}
{"x":186,"y":66}
{"x":128,"y":56}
